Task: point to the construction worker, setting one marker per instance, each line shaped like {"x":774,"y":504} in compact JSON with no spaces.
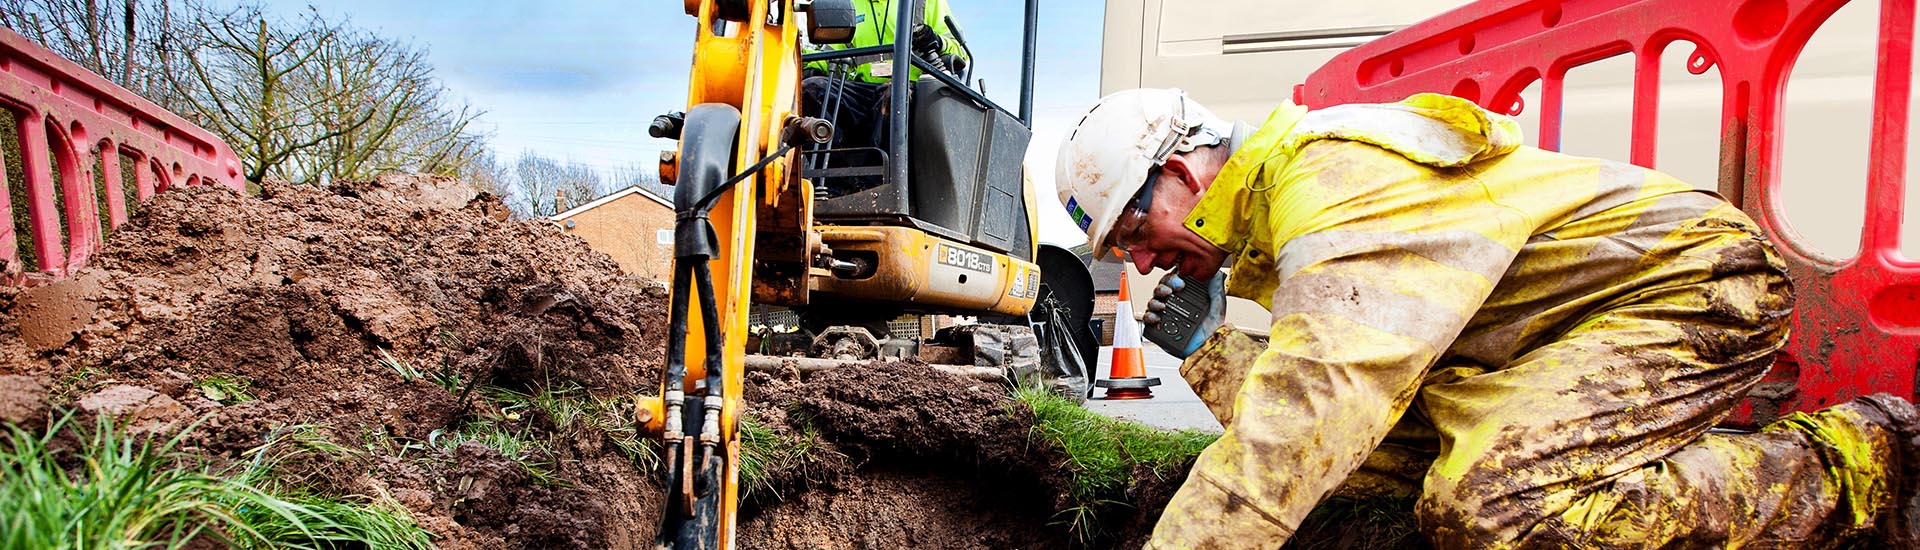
{"x":855,"y":98}
{"x":1556,"y":334}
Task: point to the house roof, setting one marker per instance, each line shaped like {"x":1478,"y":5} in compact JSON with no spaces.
{"x":610,"y":197}
{"x":1106,"y":275}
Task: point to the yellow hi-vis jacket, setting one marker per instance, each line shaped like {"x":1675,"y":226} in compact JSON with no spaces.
{"x":875,"y":28}
{"x":1387,"y":238}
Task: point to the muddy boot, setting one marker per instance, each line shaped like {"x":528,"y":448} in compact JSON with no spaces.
{"x":1898,"y":526}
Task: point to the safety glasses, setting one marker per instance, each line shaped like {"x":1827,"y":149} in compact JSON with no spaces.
{"x":1133,"y":219}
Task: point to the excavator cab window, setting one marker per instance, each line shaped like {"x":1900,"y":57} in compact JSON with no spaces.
{"x":958,"y":173}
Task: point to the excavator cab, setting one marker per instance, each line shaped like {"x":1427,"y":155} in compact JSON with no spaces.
{"x":943,"y":219}
{"x":964,"y":175}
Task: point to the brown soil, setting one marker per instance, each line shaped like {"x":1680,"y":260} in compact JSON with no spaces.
{"x":318,"y":299}
{"x":304,"y":293}
{"x":314,"y":296}
{"x":911,"y":457}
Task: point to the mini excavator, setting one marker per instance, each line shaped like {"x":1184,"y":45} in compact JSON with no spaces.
{"x":949,"y":228}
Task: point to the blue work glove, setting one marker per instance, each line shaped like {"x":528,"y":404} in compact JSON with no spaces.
{"x":1211,"y":311}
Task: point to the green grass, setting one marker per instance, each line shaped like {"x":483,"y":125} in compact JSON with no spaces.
{"x":446,"y":376}
{"x":115,"y":491}
{"x":516,"y":444}
{"x":226,"y":389}
{"x":1102,"y":453}
{"x":572,"y":409}
{"x":761,"y":449}
{"x":382,"y":524}
{"x":68,"y":387}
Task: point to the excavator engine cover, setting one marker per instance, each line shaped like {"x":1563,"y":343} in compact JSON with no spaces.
{"x":967,"y":168}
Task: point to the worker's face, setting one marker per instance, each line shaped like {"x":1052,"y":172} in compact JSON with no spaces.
{"x":1160,"y":237}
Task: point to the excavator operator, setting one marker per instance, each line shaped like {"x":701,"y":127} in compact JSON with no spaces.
{"x":1551,"y":338}
{"x":855,"y":98}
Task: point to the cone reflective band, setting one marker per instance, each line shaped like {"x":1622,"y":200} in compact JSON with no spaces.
{"x":1127,"y":375}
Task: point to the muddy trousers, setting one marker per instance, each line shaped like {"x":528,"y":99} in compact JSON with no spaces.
{"x":1600,"y":440}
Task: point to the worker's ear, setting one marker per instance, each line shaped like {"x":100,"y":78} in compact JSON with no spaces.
{"x":1180,"y":168}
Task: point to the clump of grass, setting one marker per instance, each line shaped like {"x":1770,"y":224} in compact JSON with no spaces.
{"x":515,"y":444}
{"x":761,"y":447}
{"x":613,"y":417}
{"x":383,"y":524}
{"x":68,"y":387}
{"x":1102,"y":453}
{"x":226,"y":389}
{"x":446,"y":376}
{"x":130,"y":492}
{"x":308,"y":437}
{"x":399,"y":366}
{"x":571,"y":408}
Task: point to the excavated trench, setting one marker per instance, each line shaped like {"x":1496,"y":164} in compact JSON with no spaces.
{"x":391,"y":318}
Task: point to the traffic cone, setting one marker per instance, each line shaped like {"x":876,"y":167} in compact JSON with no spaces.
{"x":1127,"y":377}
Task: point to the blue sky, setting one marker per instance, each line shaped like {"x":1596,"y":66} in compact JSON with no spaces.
{"x":579,"y":80}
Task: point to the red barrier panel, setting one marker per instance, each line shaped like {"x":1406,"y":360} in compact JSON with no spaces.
{"x":1857,"y":323}
{"x":66,"y":118}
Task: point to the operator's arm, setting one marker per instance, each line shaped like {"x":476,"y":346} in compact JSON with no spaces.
{"x":937,"y":13}
{"x":1385,"y":261}
{"x":814,"y":66}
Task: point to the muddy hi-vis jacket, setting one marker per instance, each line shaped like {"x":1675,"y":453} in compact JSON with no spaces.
{"x":1383,"y":240}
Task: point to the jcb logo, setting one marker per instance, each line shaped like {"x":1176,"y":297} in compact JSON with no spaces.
{"x":966,"y":259}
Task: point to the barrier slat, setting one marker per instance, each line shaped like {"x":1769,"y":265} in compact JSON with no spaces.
{"x":1856,"y":328}
{"x":88,"y":116}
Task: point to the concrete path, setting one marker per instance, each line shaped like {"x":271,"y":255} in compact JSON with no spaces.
{"x":1173,"y":406}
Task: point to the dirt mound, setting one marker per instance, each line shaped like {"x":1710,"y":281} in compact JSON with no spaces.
{"x":473,"y":368}
{"x":372,"y":312}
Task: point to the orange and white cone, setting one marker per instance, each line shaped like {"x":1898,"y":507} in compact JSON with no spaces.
{"x":1127,"y":376}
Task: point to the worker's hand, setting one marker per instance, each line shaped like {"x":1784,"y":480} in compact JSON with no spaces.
{"x":1213,"y":312}
{"x":925,"y":39}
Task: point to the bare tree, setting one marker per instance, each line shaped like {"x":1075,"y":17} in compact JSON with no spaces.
{"x":642,"y":175}
{"x":485,"y":172}
{"x":543,"y":187}
{"x":305,"y":100}
{"x":313,"y":100}
{"x":83,"y":31}
{"x":408,"y":129}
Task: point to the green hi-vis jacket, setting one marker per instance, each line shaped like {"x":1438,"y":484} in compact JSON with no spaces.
{"x":876,"y":28}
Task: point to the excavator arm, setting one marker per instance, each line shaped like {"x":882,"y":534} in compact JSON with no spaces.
{"x":745,"y":228}
{"x":732,"y":170}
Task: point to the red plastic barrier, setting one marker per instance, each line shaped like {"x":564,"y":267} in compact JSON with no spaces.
{"x":68,"y":115}
{"x":1857,"y":323}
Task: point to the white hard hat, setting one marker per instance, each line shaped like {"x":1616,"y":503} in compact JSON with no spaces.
{"x":1107,"y":156}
